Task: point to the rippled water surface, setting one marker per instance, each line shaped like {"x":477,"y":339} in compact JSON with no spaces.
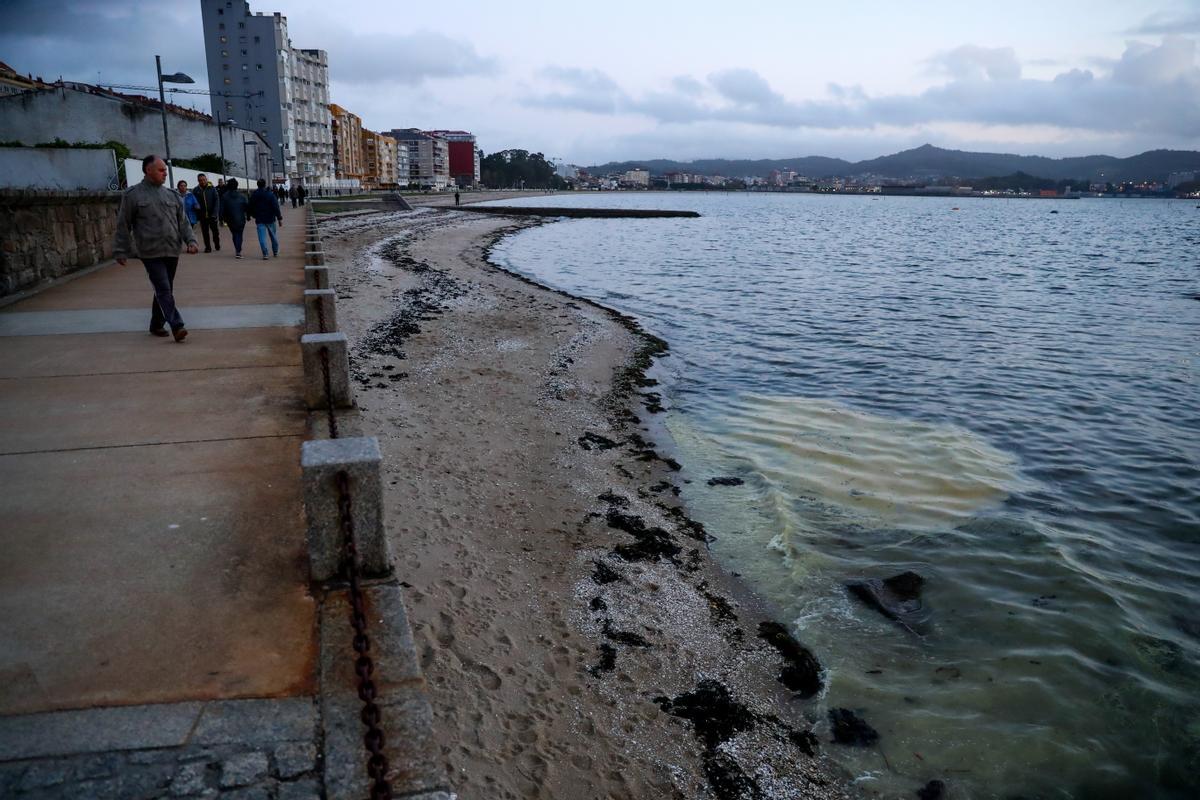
{"x":1000,"y":398}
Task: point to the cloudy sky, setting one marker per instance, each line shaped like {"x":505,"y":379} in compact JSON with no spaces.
{"x":635,"y":79}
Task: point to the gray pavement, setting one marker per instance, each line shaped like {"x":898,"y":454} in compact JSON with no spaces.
{"x":158,"y":633}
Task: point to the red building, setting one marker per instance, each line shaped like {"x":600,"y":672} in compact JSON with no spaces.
{"x":464,"y":156}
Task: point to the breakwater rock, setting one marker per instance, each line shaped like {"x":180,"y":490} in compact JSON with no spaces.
{"x":576,"y":213}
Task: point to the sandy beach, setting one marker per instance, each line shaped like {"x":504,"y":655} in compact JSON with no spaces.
{"x":576,"y":636}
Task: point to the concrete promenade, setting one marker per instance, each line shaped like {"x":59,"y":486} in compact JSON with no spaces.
{"x":158,"y":635}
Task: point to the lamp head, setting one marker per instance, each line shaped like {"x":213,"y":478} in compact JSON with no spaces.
{"x":177,"y":77}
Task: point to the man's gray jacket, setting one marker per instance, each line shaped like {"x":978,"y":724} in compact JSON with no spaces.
{"x":155,"y":216}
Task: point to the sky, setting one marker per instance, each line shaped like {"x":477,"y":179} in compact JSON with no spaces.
{"x":590,"y":82}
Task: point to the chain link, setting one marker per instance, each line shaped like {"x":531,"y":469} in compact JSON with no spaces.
{"x":364,"y":666}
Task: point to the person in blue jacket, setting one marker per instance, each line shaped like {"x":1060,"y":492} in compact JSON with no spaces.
{"x":190,"y":203}
{"x":265,"y":210}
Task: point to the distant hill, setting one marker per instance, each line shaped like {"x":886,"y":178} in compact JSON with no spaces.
{"x":928,"y":162}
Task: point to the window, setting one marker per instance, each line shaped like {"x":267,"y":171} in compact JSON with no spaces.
{"x":220,"y":11}
{"x":241,"y":25}
{"x":243,"y":52}
{"x":224,"y":39}
{"x":225,"y":67}
{"x":221,"y":26}
{"x":224,"y":54}
{"x":260,"y":67}
{"x":228,"y":81}
{"x":257,"y":40}
{"x":245,"y":67}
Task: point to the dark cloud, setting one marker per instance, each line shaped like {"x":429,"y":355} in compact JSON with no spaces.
{"x":1150,"y":89}
{"x":1163,"y":23}
{"x":744,"y":87}
{"x":581,"y":90}
{"x":76,"y":39}
{"x":409,"y":59}
{"x":96,"y":42}
{"x":971,"y":62}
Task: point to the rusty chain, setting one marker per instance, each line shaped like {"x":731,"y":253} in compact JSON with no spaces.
{"x":364,"y":665}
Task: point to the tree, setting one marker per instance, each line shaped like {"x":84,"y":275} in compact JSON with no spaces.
{"x":518,"y":169}
{"x":205,"y":162}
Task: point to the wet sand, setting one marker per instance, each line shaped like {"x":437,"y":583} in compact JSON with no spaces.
{"x":577,"y":638}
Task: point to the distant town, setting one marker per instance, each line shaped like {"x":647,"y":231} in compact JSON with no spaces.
{"x":1177,"y":184}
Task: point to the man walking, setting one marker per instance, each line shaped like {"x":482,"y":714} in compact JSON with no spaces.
{"x":154,"y":215}
{"x":208,"y":203}
{"x":265,"y":210}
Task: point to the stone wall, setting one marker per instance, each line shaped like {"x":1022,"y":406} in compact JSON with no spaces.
{"x":47,"y":234}
{"x":76,"y":116}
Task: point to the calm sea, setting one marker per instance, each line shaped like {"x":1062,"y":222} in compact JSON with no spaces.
{"x":1000,"y":395}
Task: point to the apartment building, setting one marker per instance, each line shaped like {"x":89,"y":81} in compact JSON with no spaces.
{"x":380,"y":159}
{"x":428,"y":157}
{"x":463,"y":164}
{"x":267,"y":86}
{"x":348,"y":161}
{"x":311,"y":119}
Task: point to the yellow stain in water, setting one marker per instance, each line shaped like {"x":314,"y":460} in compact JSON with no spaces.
{"x":877,"y":470}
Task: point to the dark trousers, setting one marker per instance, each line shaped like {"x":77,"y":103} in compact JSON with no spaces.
{"x":207,"y":225}
{"x":293,"y":201}
{"x":161,"y":272}
{"x":236,"y":235}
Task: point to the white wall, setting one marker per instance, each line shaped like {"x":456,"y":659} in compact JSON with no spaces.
{"x":58,"y":168}
{"x":133,"y":173}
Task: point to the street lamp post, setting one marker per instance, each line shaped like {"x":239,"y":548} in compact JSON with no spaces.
{"x":175,"y":77}
{"x":221,"y":140}
{"x":246,"y":159}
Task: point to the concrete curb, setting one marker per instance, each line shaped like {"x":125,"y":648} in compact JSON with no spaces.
{"x":402,"y":694}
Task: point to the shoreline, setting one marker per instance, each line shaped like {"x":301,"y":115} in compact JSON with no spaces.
{"x":574,"y":632}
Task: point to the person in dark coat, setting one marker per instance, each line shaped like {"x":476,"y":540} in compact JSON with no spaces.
{"x":265,"y":210}
{"x":208,"y":209}
{"x":302,"y":193}
{"x":152,"y":226}
{"x":295,"y":194}
{"x":235,"y":208}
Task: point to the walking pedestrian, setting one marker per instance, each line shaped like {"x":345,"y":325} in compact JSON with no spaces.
{"x":153,"y":226}
{"x":302,"y":193}
{"x":209,"y":208}
{"x":456,"y":202}
{"x":295,"y":195}
{"x":234,"y":206}
{"x":189,"y":203}
{"x":265,"y":210}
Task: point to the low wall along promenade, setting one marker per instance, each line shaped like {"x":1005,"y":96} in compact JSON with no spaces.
{"x":47,"y":234}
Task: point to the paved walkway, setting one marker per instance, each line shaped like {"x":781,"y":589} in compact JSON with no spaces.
{"x":152,"y":535}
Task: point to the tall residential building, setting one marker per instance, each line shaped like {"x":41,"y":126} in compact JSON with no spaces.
{"x":347,"y":143}
{"x":379,"y":156}
{"x":310,"y":111}
{"x":464,"y":156}
{"x":428,"y":157}
{"x":269,"y":86}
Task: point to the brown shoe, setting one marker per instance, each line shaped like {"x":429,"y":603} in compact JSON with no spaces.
{"x":158,"y":331}
{"x":179,"y":334}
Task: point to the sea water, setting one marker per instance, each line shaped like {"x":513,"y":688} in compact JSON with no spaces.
{"x":998,"y":394}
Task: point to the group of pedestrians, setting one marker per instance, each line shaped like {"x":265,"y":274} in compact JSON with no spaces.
{"x":225,"y":204}
{"x":154,"y":223}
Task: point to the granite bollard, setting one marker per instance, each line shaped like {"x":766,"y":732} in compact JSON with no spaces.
{"x":320,"y":461}
{"x":335,"y":345}
{"x":314,"y":258}
{"x":316,"y":276}
{"x":320,"y":303}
